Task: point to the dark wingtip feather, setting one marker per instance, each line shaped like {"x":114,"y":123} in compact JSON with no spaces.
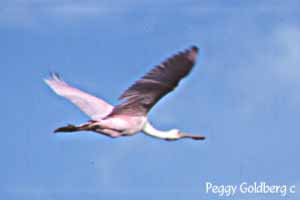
{"x":192,"y":53}
{"x":194,"y":48}
{"x":54,"y":75}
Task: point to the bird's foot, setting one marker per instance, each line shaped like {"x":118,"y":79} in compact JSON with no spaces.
{"x":69,"y":128}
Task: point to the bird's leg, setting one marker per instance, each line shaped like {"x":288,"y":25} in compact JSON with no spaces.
{"x":90,"y":126}
{"x":73,"y":128}
{"x":69,"y":128}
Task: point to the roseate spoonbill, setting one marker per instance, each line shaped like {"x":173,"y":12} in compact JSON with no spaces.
{"x":130,"y":116}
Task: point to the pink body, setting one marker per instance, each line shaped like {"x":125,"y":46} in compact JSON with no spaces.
{"x":128,"y":125}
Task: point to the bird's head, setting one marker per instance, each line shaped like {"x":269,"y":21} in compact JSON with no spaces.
{"x":178,"y":135}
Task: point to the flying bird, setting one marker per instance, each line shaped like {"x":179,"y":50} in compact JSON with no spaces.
{"x":130,"y":116}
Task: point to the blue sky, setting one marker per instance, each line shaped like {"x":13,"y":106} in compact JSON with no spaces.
{"x":243,"y":95}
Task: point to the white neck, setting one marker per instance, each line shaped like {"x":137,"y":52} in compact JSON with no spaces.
{"x":150,"y":130}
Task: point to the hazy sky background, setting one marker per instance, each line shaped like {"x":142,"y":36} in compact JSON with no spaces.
{"x":243,"y":95}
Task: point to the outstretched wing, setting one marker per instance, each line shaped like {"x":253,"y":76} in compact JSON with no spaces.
{"x":162,"y":79}
{"x":90,"y":105}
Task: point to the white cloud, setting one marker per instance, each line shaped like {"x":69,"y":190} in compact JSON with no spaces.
{"x":78,"y":10}
{"x":288,"y":63}
{"x":27,"y":13}
{"x":272,"y":70}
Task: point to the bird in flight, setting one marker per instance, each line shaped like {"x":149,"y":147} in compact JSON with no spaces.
{"x":130,"y":116}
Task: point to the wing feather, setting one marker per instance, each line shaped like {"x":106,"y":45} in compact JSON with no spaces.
{"x":92,"y":106}
{"x":162,"y":79}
